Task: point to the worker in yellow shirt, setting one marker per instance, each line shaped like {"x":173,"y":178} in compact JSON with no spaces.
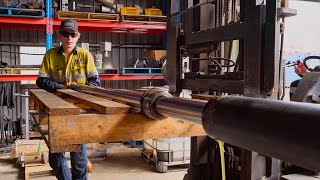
{"x":61,"y":67}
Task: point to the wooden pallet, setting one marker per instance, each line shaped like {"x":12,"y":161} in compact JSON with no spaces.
{"x":69,"y":118}
{"x":143,"y":18}
{"x":88,"y":16}
{"x":104,"y":17}
{"x":40,"y":169}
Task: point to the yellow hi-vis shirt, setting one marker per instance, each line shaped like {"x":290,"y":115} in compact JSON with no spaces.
{"x":79,"y":67}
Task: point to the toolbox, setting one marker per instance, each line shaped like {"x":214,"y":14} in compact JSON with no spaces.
{"x":152,"y":11}
{"x":129,"y":10}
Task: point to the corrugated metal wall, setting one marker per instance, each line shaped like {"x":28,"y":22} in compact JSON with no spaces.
{"x":11,"y":39}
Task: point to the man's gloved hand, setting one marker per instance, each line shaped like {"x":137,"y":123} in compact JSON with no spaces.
{"x":300,"y":69}
{"x":67,"y":85}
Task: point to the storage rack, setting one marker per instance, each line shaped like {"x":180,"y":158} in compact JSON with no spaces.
{"x":49,"y":24}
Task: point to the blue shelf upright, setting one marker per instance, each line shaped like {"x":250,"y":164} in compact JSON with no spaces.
{"x":49,"y":24}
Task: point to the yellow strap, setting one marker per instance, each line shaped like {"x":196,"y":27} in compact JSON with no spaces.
{"x":223,"y":169}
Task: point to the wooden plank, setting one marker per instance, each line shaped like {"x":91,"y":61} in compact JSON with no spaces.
{"x":143,"y":18}
{"x":97,"y":103}
{"x":42,"y":168}
{"x":65,"y":148}
{"x":31,"y":102}
{"x":104,"y":17}
{"x":98,"y":94}
{"x":43,"y":129}
{"x":72,"y":15}
{"x":33,"y":135}
{"x":54,"y":105}
{"x":41,"y":119}
{"x":89,"y":128}
{"x":202,"y":97}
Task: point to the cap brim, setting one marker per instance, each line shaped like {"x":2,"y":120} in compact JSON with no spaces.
{"x":69,"y":28}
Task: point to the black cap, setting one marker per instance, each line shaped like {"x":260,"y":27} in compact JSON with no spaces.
{"x":69,"y":24}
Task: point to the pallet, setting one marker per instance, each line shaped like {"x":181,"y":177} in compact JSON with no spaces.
{"x":104,"y":17}
{"x":70,"y":118}
{"x":87,"y":16}
{"x":143,"y":18}
{"x":140,"y":71}
{"x":18,"y":12}
{"x":38,"y":169}
{"x":161,"y":167}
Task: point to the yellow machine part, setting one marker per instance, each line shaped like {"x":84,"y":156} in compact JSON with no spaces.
{"x":152,"y":12}
{"x":129,"y":10}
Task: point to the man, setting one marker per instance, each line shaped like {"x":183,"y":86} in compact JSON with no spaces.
{"x":61,"y":67}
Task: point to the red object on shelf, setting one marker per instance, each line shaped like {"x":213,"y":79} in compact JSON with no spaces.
{"x":110,"y":77}
{"x":85,"y":25}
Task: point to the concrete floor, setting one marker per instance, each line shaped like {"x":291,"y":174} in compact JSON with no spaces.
{"x":121,"y":163}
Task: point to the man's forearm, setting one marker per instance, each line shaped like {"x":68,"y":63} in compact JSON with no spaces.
{"x":94,"y":81}
{"x":48,"y":85}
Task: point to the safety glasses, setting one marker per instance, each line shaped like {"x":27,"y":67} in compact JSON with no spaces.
{"x":66,"y":34}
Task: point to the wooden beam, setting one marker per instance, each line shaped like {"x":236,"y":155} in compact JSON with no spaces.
{"x":54,"y":105}
{"x":41,"y":119}
{"x":97,"y":103}
{"x":65,"y":148}
{"x":42,"y":124}
{"x":204,"y":97}
{"x":40,"y":169}
{"x":89,"y":128}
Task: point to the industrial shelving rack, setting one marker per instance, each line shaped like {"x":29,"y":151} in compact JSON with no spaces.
{"x":49,"y":24}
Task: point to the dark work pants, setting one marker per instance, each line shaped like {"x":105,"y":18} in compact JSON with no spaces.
{"x":79,"y":161}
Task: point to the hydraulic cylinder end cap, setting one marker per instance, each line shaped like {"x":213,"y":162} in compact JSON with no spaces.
{"x":148,"y":101}
{"x":208,"y":115}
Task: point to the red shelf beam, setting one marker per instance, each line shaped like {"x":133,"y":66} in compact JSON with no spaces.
{"x":84,"y":25}
{"x":108,"y":77}
{"x":23,"y":23}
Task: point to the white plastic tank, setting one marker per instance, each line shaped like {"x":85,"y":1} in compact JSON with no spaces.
{"x":171,"y":149}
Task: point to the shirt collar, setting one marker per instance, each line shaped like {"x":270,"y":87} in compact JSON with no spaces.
{"x":60,"y":51}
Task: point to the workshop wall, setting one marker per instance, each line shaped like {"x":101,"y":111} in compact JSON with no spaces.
{"x":11,"y":39}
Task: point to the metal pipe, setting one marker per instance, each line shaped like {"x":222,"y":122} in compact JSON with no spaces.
{"x":26,"y":111}
{"x":25,"y":98}
{"x":281,"y":129}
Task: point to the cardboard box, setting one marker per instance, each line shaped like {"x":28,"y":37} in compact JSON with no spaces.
{"x":28,"y":146}
{"x":155,"y":54}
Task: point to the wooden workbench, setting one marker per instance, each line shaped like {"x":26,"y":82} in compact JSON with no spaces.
{"x":69,"y":118}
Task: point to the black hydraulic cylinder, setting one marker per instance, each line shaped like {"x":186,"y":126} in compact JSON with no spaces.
{"x":285,"y":130}
{"x":280,"y":129}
